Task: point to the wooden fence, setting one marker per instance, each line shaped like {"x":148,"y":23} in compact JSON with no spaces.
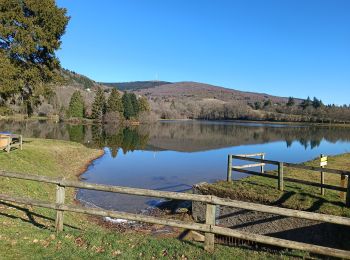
{"x":209,"y":227}
{"x":345,"y":189}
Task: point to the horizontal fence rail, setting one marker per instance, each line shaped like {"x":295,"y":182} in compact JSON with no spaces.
{"x":292,"y":165}
{"x":209,"y":228}
{"x":280,"y":173}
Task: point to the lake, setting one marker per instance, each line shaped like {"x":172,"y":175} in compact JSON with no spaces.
{"x":174,"y":155}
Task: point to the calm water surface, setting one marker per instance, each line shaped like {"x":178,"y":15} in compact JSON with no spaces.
{"x":173,"y":156}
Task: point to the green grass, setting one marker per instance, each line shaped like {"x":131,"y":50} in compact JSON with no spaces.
{"x":28,"y":232}
{"x":296,"y":196}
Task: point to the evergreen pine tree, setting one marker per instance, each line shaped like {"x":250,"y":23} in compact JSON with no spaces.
{"x":306,"y":103}
{"x":76,"y":105}
{"x":127,"y":105}
{"x":30,"y":33}
{"x":99,"y":105}
{"x":114,"y":102}
{"x":135,"y":104}
{"x":316,"y":103}
{"x":291,"y":102}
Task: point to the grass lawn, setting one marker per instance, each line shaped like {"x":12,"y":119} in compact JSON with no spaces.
{"x":295,"y":196}
{"x":28,"y":232}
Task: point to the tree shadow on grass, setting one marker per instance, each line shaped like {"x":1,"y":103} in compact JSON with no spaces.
{"x":189,"y":242}
{"x":285,"y":197}
{"x":30,"y":216}
{"x":316,"y":205}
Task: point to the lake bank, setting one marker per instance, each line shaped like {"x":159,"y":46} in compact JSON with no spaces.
{"x":264,"y":190}
{"x":29,"y":231}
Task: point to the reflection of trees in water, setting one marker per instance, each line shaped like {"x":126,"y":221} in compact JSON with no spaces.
{"x":186,"y":136}
{"x":128,"y":139}
{"x":76,"y":133}
{"x":198,"y":136}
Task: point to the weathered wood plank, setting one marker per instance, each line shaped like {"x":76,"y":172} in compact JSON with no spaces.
{"x":262,"y":170}
{"x":229,"y":168}
{"x":210,"y":220}
{"x":60,"y":197}
{"x":280,"y":176}
{"x":348,"y":193}
{"x":31,"y":177}
{"x":183,"y":196}
{"x":254,"y":173}
{"x":249,"y":165}
{"x":293,"y":165}
{"x":343,"y":184}
{"x":251,"y":155}
{"x":323,"y":163}
{"x":109,"y":213}
{"x":192,"y":226}
{"x":243,"y":158}
{"x":282,"y":211}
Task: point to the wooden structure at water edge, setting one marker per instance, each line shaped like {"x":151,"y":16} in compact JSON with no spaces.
{"x":209,"y":227}
{"x":261,"y":162}
{"x":7,"y":141}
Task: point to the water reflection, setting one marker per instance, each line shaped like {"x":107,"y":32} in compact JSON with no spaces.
{"x":175,"y":155}
{"x":189,"y":136}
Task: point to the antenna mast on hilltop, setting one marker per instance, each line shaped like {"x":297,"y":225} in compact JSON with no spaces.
{"x":156,"y":80}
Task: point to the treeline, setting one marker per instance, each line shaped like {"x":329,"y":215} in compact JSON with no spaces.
{"x":115,"y":108}
{"x":293,"y":110}
{"x":308,"y":110}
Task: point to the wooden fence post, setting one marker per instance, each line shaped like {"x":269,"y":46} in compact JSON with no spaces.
{"x":210,"y":220}
{"x":322,"y":176}
{"x":60,"y":195}
{"x":280,"y":176}
{"x":262,"y":166}
{"x":348,"y":193}
{"x":343,"y":184}
{"x":229,"y":168}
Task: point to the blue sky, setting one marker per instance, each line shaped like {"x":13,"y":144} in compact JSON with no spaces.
{"x":281,"y":47}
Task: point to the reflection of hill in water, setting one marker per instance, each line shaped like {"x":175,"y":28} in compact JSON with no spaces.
{"x":200,"y":136}
{"x":178,"y":136}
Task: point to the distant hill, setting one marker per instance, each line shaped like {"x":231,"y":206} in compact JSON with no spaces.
{"x":197,"y":91}
{"x":136,"y":85}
